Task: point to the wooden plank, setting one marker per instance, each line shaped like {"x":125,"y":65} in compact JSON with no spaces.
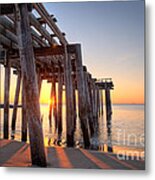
{"x":31,"y":91}
{"x":82,"y":97}
{"x":6,"y":99}
{"x":14,"y":114}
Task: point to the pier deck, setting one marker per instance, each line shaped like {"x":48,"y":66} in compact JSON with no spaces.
{"x":17,"y":154}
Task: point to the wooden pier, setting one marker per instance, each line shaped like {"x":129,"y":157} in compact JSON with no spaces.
{"x":36,"y":54}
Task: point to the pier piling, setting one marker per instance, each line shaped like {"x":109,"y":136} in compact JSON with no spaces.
{"x":24,"y":113}
{"x":6,"y":98}
{"x":31,"y":87}
{"x":108,"y":118}
{"x":82,"y":97}
{"x":14,"y":115}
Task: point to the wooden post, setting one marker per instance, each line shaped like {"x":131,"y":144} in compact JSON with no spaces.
{"x":6,"y":99}
{"x":55,"y":103}
{"x":101,"y":100}
{"x":24,"y":113}
{"x":69,"y":98}
{"x":89,"y":109}
{"x":39,"y":81}
{"x":98,"y":103}
{"x":14,"y":115}
{"x":51,"y":106}
{"x":102,"y":117}
{"x":108,"y":117}
{"x":60,"y":86}
{"x":31,"y":87}
{"x":82,"y":97}
{"x":74,"y":102}
{"x":95,"y":143}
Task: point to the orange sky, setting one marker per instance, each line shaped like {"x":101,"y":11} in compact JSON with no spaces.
{"x":125,"y":92}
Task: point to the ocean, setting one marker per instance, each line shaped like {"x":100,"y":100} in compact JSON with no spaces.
{"x":128,"y":126}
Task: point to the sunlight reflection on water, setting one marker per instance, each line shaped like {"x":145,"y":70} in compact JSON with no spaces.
{"x":127,"y":126}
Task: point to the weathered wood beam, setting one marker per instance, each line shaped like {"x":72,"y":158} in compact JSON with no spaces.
{"x":11,"y":27}
{"x":48,"y":63}
{"x":74,"y":101}
{"x":82,"y":97}
{"x":54,"y":99}
{"x":90,"y":111}
{"x":98,"y":103}
{"x":31,"y":91}
{"x":38,"y":39}
{"x":15,"y":107}
{"x":51,"y":106}
{"x":95,"y":108}
{"x":60,"y":87}
{"x":54,"y":50}
{"x":108,"y":118}
{"x":69,"y":99}
{"x":10,"y":8}
{"x":101,"y":102}
{"x":7,"y":9}
{"x":7,"y":42}
{"x":102,"y":116}
{"x":43,"y":54}
{"x":42,"y":21}
{"x":24,"y":120}
{"x":40,"y":28}
{"x":11,"y":36}
{"x":8,"y":35}
{"x":5,"y":22}
{"x":104,"y":85}
{"x":45,"y":15}
{"x":39,"y":79}
{"x":6,"y":99}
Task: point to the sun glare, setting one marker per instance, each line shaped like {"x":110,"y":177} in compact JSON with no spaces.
{"x":51,"y":101}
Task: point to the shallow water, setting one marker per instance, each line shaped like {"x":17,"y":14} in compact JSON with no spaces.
{"x":127,"y":126}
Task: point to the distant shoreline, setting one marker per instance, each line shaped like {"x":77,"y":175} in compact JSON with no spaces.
{"x":44,"y":104}
{"x":129,"y":104}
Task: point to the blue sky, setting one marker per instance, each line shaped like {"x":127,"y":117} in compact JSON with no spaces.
{"x":112,"y":38}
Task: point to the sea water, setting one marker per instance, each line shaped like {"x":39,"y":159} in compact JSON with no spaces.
{"x":127,"y":126}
